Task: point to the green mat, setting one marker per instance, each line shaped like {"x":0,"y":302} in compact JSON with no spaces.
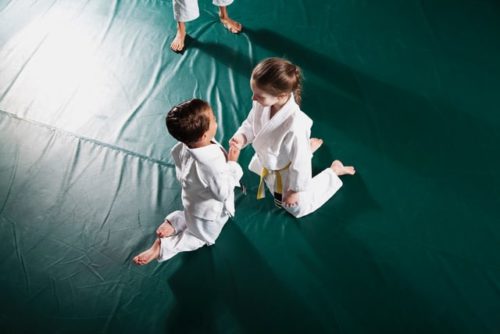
{"x":406,"y":91}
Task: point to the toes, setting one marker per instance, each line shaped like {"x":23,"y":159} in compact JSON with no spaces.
{"x":349,"y":170}
{"x":232,"y":26}
{"x":176,"y":46}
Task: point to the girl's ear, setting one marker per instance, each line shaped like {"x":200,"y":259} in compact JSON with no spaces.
{"x":284,"y":95}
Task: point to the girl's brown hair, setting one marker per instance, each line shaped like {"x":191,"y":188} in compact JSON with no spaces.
{"x":277,"y":76}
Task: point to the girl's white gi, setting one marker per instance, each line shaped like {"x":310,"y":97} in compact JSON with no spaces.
{"x":187,"y":10}
{"x":282,"y":140}
{"x":207,"y":182}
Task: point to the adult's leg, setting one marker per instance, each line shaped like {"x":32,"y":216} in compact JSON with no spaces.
{"x":184,"y":11}
{"x":230,"y":24}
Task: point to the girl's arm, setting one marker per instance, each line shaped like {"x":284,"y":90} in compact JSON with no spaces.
{"x":244,"y":135}
{"x":300,"y":170}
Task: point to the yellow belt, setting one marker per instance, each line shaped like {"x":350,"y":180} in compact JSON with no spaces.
{"x":278,"y":189}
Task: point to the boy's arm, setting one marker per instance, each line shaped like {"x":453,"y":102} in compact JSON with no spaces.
{"x":245,"y":130}
{"x":223,"y":182}
{"x":234,"y":152}
{"x":176,"y":155}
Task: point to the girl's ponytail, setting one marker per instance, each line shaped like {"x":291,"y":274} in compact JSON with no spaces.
{"x":297,"y":90}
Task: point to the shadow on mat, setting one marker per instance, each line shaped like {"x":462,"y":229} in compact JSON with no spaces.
{"x":230,"y":288}
{"x":416,"y":132}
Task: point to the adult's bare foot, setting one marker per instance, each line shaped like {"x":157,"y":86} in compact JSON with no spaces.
{"x":230,"y":24}
{"x":177,"y":44}
{"x":339,"y":168}
{"x":148,"y":255}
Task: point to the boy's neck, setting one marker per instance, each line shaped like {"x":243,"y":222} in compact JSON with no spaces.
{"x":199,"y":144}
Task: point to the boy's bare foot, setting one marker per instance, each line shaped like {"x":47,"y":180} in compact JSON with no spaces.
{"x":177,"y":44}
{"x":149,"y":254}
{"x":231,"y":25}
{"x":315,"y":144}
{"x":339,"y":168}
{"x":165,"y":230}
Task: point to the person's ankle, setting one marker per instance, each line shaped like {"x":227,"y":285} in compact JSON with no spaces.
{"x":223,"y":14}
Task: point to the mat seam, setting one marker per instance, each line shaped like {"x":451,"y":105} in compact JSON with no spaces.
{"x":86,"y":139}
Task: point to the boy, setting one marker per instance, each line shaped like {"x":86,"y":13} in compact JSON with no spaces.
{"x":187,"y":10}
{"x":207,"y":178}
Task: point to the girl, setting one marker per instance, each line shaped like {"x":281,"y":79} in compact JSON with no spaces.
{"x":280,"y":135}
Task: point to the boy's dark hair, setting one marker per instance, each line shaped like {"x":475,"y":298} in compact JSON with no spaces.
{"x":188,"y":121}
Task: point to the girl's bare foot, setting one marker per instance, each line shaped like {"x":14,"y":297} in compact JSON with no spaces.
{"x":177,"y":44}
{"x":339,"y":168}
{"x":315,"y":144}
{"x":149,"y":254}
{"x":230,"y":24}
{"x":165,"y":230}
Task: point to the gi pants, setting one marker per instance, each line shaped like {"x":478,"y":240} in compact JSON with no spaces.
{"x":321,"y":188}
{"x":190,"y":233}
{"x":188,"y":10}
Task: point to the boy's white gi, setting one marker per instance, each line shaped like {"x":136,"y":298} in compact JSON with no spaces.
{"x":282,"y":141}
{"x":208,"y":182}
{"x":187,"y":10}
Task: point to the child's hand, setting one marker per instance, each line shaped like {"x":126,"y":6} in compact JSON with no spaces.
{"x":238,"y":140}
{"x":234,"y":153}
{"x":291,"y":199}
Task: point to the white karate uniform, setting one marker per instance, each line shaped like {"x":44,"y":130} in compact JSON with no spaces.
{"x":188,"y":10}
{"x":208,"y":182}
{"x":285,"y":140}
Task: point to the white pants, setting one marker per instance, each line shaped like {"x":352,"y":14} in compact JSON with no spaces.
{"x":322,"y":187}
{"x":187,"y":10}
{"x":190,"y":233}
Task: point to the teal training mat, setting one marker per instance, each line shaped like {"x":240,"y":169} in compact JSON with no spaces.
{"x":406,"y":91}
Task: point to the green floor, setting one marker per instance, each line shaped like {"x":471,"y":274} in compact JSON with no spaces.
{"x":407,"y":91}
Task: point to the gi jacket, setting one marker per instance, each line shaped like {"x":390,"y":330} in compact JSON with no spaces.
{"x":207,"y":180}
{"x":279,"y":141}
